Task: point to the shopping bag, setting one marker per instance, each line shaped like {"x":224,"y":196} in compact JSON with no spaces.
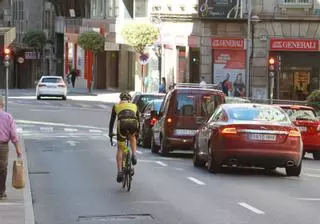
{"x":18,"y":181}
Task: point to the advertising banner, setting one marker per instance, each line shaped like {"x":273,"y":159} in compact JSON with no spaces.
{"x":219,"y":9}
{"x":294,"y":45}
{"x":229,"y":63}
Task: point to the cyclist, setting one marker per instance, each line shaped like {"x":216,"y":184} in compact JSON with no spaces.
{"x":127,"y":126}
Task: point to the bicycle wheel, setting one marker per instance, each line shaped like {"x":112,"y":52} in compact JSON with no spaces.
{"x":128,"y":173}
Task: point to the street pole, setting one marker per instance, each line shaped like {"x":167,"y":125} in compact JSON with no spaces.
{"x":7,"y":88}
{"x":248,"y":48}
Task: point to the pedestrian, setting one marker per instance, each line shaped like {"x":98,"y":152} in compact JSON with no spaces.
{"x":163,"y":85}
{"x":227,"y":86}
{"x":73,"y":75}
{"x":239,"y":87}
{"x":8,"y":133}
{"x":203,"y":82}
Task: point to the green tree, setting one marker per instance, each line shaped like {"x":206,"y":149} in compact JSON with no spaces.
{"x":92,"y":41}
{"x":139,"y":36}
{"x":35,"y":39}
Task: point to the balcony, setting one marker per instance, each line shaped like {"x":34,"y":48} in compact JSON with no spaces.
{"x":296,"y":4}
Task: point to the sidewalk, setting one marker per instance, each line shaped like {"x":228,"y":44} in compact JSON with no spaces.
{"x":17,"y":208}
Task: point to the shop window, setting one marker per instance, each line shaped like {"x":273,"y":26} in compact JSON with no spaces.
{"x":140,"y":8}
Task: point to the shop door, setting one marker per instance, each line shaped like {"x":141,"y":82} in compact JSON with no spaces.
{"x":194,"y":65}
{"x":295,"y":85}
{"x":182,"y":65}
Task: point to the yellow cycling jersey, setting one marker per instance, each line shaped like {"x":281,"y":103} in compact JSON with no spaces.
{"x":125,"y":106}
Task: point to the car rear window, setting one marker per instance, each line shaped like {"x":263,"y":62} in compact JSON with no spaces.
{"x":52,"y":80}
{"x":300,"y":114}
{"x":186,"y":104}
{"x":157,"y":105}
{"x":144,"y":100}
{"x":257,"y":113}
{"x":209,"y":103}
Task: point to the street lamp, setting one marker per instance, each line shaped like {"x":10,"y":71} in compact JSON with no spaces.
{"x":250,"y":44}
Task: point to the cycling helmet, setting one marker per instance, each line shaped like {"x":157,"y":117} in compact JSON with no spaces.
{"x":125,"y":96}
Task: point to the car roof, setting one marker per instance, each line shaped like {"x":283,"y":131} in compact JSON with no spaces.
{"x":244,"y":105}
{"x":193,"y":90}
{"x":288,"y":106}
{"x":149,"y":94}
{"x":50,"y":76}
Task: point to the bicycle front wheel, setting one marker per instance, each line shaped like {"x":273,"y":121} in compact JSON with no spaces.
{"x":128,"y":181}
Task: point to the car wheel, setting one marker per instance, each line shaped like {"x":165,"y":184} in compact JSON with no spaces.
{"x":39,"y":97}
{"x":316,"y":155}
{"x":197,"y":162}
{"x":163,"y":148}
{"x":294,"y":171}
{"x":213,"y":166}
{"x":154,"y":148}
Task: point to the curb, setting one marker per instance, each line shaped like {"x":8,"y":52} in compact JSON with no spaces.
{"x":28,"y":206}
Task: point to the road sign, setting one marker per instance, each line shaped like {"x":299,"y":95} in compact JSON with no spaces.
{"x":144,"y":59}
{"x":20,"y":60}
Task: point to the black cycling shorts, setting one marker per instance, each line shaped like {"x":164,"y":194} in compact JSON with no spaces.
{"x":126,"y":127}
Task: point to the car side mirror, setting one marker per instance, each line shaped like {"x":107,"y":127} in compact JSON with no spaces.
{"x":154,"y":113}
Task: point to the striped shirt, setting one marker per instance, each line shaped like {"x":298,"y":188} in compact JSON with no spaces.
{"x":8,"y":130}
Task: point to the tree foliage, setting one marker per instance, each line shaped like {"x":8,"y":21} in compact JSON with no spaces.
{"x":140,"y":35}
{"x":35,"y":39}
{"x":92,"y":41}
{"x":313,"y":100}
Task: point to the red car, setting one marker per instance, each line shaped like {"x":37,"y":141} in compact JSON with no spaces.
{"x":306,"y":120}
{"x":249,"y":135}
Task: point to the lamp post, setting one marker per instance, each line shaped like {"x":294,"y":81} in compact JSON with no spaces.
{"x":250,"y":42}
{"x":7,"y":64}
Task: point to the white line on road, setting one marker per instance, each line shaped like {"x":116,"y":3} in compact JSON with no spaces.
{"x":311,"y":175}
{"x":161,"y":163}
{"x":308,"y":199}
{"x":95,"y":131}
{"x":70,"y":129}
{"x":251,"y":208}
{"x":55,"y":124}
{"x":46,"y":129}
{"x":19,"y":130}
{"x":139,"y":152}
{"x":103,"y":106}
{"x":72,"y":143}
{"x":195,"y":180}
{"x":179,"y":169}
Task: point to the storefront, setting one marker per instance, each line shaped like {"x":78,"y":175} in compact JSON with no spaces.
{"x":299,"y":70}
{"x":229,"y":62}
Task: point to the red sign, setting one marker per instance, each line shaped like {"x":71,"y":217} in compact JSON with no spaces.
{"x":230,"y":59}
{"x":294,"y":45}
{"x":228,"y":43}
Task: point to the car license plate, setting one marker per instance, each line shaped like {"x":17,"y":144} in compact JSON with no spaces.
{"x":262,"y":137}
{"x":302,"y":129}
{"x":52,"y":87}
{"x":185,"y":132}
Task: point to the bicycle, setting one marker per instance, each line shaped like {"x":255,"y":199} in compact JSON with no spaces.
{"x":127,"y":167}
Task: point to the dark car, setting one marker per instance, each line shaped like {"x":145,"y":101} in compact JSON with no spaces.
{"x":148,"y":118}
{"x":306,"y":120}
{"x":249,"y":135}
{"x":183,"y":110}
{"x":142,"y":99}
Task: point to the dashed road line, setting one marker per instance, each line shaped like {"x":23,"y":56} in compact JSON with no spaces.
{"x":70,"y":130}
{"x":195,"y":180}
{"x":46,"y":129}
{"x":95,"y":131}
{"x":308,"y":199}
{"x":179,"y":169}
{"x":251,"y":208}
{"x":161,"y":163}
{"x":20,"y":130}
{"x":139,"y":152}
{"x":311,"y":175}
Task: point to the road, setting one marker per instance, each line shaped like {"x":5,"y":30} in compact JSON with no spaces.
{"x":72,"y":171}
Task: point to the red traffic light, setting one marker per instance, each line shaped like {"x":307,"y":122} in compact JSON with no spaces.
{"x":271,"y":61}
{"x":7,"y":51}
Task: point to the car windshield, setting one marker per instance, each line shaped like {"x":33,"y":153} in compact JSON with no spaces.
{"x":258,"y":113}
{"x":157,"y":105}
{"x":301,"y":114}
{"x":144,"y":100}
{"x":186,"y":104}
{"x":51,"y":80}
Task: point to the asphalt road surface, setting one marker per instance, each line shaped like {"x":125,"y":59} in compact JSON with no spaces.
{"x":72,"y":170}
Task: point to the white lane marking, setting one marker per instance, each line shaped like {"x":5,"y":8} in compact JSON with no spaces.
{"x":11,"y":204}
{"x":20,"y":130}
{"x":95,"y":131}
{"x":292,"y":178}
{"x":46,"y":129}
{"x":195,"y":180}
{"x":56,"y":124}
{"x":179,"y":169}
{"x":39,"y":110}
{"x":103,"y":106}
{"x":161,"y":163}
{"x":251,"y":208}
{"x":311,"y":175}
{"x":308,"y":199}
{"x":70,"y":129}
{"x":139,"y":152}
{"x":72,"y":143}
{"x":314,"y":169}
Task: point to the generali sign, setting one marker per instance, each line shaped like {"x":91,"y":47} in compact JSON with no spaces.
{"x":228,"y":43}
{"x":294,"y":45}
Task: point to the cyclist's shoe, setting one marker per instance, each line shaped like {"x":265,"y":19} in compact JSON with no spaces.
{"x":120,"y":177}
{"x":134,"y":160}
{"x":132,"y":171}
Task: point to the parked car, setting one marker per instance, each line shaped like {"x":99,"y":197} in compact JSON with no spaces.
{"x":183,"y":110}
{"x":148,"y":118}
{"x":306,"y":120}
{"x":249,"y":135}
{"x":142,"y":99}
{"x":51,"y":86}
{"x":230,"y":99}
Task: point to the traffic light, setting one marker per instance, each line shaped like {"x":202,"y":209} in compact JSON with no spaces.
{"x":7,"y":53}
{"x":272,"y":64}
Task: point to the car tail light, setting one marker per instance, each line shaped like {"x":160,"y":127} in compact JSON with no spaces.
{"x":229,"y":131}
{"x":294,"y":133}
{"x":169,"y":120}
{"x":153,"y":121}
{"x":42,"y":85}
{"x":318,"y":128}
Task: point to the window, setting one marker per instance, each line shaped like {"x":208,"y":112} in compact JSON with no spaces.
{"x":258,"y":113}
{"x":186,"y":105}
{"x":144,"y":100}
{"x":208,"y":104}
{"x":140,"y":8}
{"x":215,"y":116}
{"x":97,"y":8}
{"x":301,"y":114}
{"x":51,"y":80}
